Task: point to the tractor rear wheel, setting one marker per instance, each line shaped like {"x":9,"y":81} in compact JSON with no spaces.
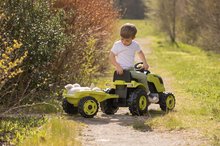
{"x":167,"y":101}
{"x":138,"y":102}
{"x":109,"y":106}
{"x":69,"y":108}
{"x":88,"y":107}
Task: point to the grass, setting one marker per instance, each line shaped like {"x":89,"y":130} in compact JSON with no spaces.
{"x":195,"y":80}
{"x":30,"y":127}
{"x":14,"y":129}
{"x":58,"y":131}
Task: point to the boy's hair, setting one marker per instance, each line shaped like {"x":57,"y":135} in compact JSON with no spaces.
{"x":128,"y":30}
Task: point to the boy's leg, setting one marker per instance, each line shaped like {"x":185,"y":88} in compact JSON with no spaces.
{"x":141,"y":77}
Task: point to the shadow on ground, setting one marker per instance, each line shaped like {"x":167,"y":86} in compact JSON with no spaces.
{"x":122,"y":117}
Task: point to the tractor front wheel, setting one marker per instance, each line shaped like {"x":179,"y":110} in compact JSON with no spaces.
{"x":138,"y":102}
{"x":88,"y":107}
{"x":167,"y":101}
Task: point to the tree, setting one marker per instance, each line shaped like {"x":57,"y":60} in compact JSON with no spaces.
{"x":167,"y":15}
{"x":132,"y":9}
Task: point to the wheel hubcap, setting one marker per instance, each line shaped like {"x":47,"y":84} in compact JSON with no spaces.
{"x":142,"y":103}
{"x":90,"y":107}
{"x":170,"y":102}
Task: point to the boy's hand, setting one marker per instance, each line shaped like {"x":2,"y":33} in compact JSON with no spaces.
{"x":145,"y":66}
{"x":143,"y":59}
{"x":119,"y":70}
{"x":112,"y":59}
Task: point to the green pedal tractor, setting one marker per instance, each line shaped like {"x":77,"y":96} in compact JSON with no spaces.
{"x":127,"y":92}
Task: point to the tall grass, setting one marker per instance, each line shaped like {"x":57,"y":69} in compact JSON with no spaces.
{"x":13,"y":129}
{"x":57,"y":132}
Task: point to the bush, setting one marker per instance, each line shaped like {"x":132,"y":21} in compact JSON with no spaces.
{"x":66,"y":41}
{"x":9,"y":61}
{"x":40,"y":29}
{"x":89,"y":25}
{"x":15,"y":129}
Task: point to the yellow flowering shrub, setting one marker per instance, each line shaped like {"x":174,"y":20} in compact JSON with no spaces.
{"x":8,"y":62}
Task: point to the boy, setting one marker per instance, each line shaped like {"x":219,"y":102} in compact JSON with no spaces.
{"x":122,"y":55}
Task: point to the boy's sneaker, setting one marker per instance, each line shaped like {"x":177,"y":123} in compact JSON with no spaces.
{"x":153,"y":98}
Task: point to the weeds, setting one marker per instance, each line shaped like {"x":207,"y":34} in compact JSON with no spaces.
{"x":58,"y":131}
{"x":14,"y":129}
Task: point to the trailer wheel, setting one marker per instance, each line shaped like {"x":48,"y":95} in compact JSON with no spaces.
{"x":88,"y":107}
{"x":69,"y":108}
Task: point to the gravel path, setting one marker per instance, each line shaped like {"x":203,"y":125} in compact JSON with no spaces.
{"x":119,"y":130}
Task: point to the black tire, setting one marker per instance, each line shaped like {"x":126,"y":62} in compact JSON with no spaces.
{"x":167,"y":101}
{"x":88,"y":107}
{"x":135,"y":105}
{"x":109,"y":106}
{"x":69,"y":108}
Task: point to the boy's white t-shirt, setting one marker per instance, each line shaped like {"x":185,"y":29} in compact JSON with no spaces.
{"x":125,"y":55}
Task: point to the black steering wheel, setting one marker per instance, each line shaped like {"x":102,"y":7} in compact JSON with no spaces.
{"x":139,"y":67}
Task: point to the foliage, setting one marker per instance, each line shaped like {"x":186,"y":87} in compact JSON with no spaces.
{"x":191,"y":21}
{"x":89,"y":25}
{"x":41,"y":32}
{"x":204,"y":23}
{"x":66,"y":40}
{"x":14,"y":129}
{"x":9,"y":61}
{"x":167,"y":17}
{"x":132,"y":9}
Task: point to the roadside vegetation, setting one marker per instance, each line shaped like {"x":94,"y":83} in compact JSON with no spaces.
{"x":195,"y":81}
{"x":57,"y":131}
{"x":14,"y":129}
{"x":45,"y":45}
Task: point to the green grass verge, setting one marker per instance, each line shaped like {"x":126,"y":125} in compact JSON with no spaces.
{"x":14,"y":129}
{"x":195,"y":80}
{"x":36,"y":129}
{"x":58,"y":131}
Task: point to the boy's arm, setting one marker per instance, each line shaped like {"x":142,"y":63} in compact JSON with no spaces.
{"x":143,"y":59}
{"x":113,"y":61}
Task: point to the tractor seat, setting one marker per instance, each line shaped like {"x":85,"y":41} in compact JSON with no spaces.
{"x":126,"y":76}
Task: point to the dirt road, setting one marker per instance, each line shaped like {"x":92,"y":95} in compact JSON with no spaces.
{"x":122,"y":129}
